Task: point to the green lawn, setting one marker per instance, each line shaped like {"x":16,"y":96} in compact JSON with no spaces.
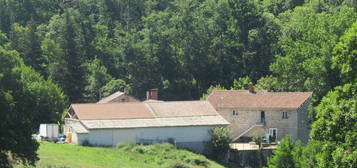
{"x":127,"y":156}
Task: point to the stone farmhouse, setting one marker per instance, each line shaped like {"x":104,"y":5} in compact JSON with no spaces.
{"x":257,"y":113}
{"x":121,"y":118}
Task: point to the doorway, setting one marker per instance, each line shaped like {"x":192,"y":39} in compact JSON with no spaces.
{"x":262,"y":116}
{"x":273,"y":133}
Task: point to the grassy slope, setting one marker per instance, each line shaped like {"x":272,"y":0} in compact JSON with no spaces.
{"x":128,"y":156}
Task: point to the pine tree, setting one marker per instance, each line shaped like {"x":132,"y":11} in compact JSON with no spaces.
{"x":74,"y":81}
{"x":33,"y":53}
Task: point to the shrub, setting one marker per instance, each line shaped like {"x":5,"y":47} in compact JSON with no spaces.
{"x":179,"y":165}
{"x":201,"y":162}
{"x":171,"y":141}
{"x":125,"y":146}
{"x":219,"y":143}
{"x":86,"y":143}
{"x":258,"y":141}
{"x":139,"y":150}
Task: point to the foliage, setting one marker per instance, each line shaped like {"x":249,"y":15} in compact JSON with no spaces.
{"x":284,"y":155}
{"x":219,"y":143}
{"x":241,"y":83}
{"x":268,"y":83}
{"x":97,"y":78}
{"x":306,"y":44}
{"x":178,"y":165}
{"x":68,"y":68}
{"x":113,"y":86}
{"x":210,"y":90}
{"x":258,"y":140}
{"x":181,"y":47}
{"x":345,"y":58}
{"x":27,"y":100}
{"x":337,"y":117}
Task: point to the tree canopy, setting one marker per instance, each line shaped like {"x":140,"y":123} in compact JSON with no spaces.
{"x":27,"y":99}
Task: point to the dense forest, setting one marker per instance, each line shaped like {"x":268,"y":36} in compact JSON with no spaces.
{"x":57,"y":52}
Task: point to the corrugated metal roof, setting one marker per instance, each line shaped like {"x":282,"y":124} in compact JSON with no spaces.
{"x":77,"y":126}
{"x":156,"y":122}
{"x":259,"y":99}
{"x":182,"y":108}
{"x":148,"y":114}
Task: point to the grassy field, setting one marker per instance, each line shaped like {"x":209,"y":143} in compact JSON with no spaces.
{"x":125,"y":156}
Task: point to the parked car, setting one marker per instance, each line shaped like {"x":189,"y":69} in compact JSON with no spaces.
{"x":60,"y":139}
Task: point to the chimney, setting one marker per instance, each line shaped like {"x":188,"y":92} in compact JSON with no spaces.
{"x":154,"y":94}
{"x":126,"y":91}
{"x":147,"y":95}
{"x":251,"y":88}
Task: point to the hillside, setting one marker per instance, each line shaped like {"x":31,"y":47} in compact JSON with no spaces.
{"x":158,"y":155}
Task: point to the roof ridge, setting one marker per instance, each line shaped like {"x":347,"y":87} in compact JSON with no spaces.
{"x":179,"y":101}
{"x":151,"y":110}
{"x":107,"y":103}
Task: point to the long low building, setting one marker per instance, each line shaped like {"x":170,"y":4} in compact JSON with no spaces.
{"x":187,"y":123}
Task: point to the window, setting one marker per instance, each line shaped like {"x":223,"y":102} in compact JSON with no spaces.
{"x":285,"y":115}
{"x":235,"y":113}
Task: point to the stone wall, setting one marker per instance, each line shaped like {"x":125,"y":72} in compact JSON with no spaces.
{"x":303,"y":122}
{"x":273,"y":119}
{"x":250,"y":158}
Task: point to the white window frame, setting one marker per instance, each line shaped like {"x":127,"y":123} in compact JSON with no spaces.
{"x":285,"y":115}
{"x":271,"y":130}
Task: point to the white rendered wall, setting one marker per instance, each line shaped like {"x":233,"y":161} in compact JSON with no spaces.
{"x":115,"y":136}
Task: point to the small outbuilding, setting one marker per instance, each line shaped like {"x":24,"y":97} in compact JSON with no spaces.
{"x":186,"y":123}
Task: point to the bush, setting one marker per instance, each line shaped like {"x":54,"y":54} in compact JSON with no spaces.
{"x":258,"y":140}
{"x":86,"y":143}
{"x":125,"y":146}
{"x":201,"y":162}
{"x":219,"y":143}
{"x":179,"y":165}
{"x":139,"y":150}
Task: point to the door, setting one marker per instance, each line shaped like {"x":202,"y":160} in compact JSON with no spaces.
{"x":273,"y":133}
{"x":262,"y":116}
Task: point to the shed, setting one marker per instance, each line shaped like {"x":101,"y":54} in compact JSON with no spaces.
{"x":187,"y":123}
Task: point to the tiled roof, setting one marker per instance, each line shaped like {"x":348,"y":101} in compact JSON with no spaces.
{"x":111,"y":97}
{"x":259,"y":99}
{"x":182,"y":108}
{"x":111,"y":111}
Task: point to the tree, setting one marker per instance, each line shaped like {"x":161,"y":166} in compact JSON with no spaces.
{"x":113,"y":86}
{"x":220,"y":140}
{"x":68,"y":68}
{"x":337,"y":117}
{"x":33,"y":54}
{"x":268,"y":83}
{"x":27,"y":100}
{"x":345,"y":59}
{"x":316,"y":154}
{"x":241,"y":83}
{"x":283,"y":156}
{"x":210,"y":90}
{"x":97,"y":78}
{"x":306,"y":43}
